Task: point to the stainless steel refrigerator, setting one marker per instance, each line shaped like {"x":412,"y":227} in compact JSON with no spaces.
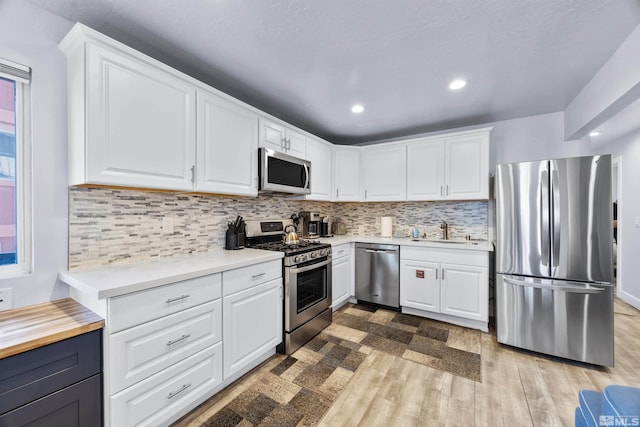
{"x":554,"y":250}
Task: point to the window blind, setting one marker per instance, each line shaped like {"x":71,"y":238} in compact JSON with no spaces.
{"x":15,"y":71}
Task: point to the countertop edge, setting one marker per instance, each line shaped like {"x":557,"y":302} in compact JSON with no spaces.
{"x":49,"y":339}
{"x":32,"y":327}
{"x":94,"y":282}
{"x":484,"y":246}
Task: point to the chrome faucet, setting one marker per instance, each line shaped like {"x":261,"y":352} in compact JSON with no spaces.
{"x":445,"y":230}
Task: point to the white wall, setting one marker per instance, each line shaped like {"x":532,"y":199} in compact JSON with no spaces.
{"x":532,"y":138}
{"x":615,"y":86}
{"x":30,"y":36}
{"x":628,"y":149}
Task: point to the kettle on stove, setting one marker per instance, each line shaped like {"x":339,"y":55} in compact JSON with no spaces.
{"x":290,"y":235}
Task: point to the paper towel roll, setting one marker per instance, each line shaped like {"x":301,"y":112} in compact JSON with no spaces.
{"x":386,"y":226}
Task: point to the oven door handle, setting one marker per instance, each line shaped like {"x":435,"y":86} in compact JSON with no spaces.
{"x":310,"y":267}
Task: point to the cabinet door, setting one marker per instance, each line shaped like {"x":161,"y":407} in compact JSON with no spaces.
{"x":346,"y":174}
{"x":467,"y":167}
{"x":320,"y":155}
{"x":252,"y":325}
{"x":465,"y":291}
{"x":296,"y":144}
{"x":227,"y":147}
{"x":141,"y":123}
{"x":341,"y":280}
{"x":272,"y":135}
{"x":425,"y":171}
{"x":383,"y":173}
{"x":77,"y":405}
{"x":420,"y":285}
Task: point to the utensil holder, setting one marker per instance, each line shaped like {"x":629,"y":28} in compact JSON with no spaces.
{"x":234,"y":241}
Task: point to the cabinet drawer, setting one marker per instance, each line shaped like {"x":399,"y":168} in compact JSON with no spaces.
{"x":140,"y":352}
{"x":168,"y":395}
{"x":77,"y":405}
{"x":246,"y":277}
{"x":28,"y":376}
{"x":452,"y":256}
{"x":341,"y":251}
{"x":139,"y":307}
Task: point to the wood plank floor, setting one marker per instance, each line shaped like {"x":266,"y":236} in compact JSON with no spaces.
{"x":518,"y":388}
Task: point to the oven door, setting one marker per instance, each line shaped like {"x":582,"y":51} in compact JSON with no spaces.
{"x":307,"y":292}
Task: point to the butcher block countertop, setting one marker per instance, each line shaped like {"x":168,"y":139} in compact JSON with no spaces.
{"x":27,"y":328}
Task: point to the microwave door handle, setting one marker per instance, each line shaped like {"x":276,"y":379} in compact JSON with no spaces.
{"x":306,"y":172}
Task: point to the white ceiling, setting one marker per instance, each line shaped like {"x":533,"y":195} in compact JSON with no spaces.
{"x":308,"y":61}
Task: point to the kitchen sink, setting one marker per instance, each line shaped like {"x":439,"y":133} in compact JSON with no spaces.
{"x":452,"y":242}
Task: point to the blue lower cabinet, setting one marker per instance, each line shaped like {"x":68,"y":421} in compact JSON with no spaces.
{"x":59,"y":384}
{"x":78,"y":405}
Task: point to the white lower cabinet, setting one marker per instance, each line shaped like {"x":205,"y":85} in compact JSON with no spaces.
{"x":451,"y":285}
{"x":139,"y":352}
{"x":252,"y":319}
{"x":465,"y":291}
{"x":342,"y":275}
{"x":168,"y":395}
{"x":164,"y":351}
{"x":171,"y":347}
{"x":420,"y":286}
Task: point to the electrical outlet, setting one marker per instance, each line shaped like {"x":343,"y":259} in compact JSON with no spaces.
{"x":6,"y":299}
{"x":167,"y":225}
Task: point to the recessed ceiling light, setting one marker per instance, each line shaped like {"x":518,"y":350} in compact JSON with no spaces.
{"x":457,"y":84}
{"x":595,"y":133}
{"x":357,"y":109}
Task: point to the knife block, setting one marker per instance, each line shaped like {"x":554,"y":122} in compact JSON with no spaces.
{"x":234,"y":241}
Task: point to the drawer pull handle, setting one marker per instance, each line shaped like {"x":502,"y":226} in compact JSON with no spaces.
{"x":255,"y":276}
{"x":182,"y":338}
{"x":175,"y":393}
{"x":180,"y":298}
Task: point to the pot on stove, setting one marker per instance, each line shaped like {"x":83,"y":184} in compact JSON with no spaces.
{"x":290,"y":235}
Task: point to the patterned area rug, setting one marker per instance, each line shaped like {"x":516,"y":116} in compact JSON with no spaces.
{"x":298,"y":390}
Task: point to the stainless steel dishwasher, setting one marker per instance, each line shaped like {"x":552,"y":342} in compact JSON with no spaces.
{"x":378,"y":273}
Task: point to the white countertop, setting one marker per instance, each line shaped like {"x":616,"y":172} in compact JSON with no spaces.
{"x":111,"y":281}
{"x":468,"y":245}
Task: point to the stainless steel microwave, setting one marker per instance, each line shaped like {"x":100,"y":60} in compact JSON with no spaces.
{"x":283,"y":173}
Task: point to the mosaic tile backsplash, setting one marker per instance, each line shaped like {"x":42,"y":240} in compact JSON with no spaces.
{"x":108,"y":226}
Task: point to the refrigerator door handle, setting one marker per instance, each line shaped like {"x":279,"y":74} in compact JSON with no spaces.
{"x":544,"y":217}
{"x":555,"y":223}
{"x":582,"y":289}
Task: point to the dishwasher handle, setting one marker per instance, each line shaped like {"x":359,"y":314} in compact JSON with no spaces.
{"x":381,"y":251}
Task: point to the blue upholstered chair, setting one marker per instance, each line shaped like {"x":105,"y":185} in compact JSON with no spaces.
{"x":617,"y":405}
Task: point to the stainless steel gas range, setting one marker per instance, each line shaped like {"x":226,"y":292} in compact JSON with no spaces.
{"x":306,"y":270}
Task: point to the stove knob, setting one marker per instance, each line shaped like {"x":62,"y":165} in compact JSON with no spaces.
{"x":314,"y":254}
{"x":324,"y":252}
{"x":296,"y":259}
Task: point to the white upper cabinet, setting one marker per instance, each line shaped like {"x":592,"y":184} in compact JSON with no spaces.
{"x":320,"y":154}
{"x":449,"y":167}
{"x":281,"y":138}
{"x":227,"y":147}
{"x":136,"y":122}
{"x":425,"y":171}
{"x":383,"y":173}
{"x":346,"y":173}
{"x":467,"y":167}
{"x":132,"y":122}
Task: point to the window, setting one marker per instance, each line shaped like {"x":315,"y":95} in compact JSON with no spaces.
{"x":15,"y":179}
